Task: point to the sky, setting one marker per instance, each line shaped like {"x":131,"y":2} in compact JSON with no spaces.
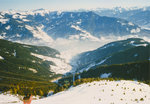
{"x":69,"y":4}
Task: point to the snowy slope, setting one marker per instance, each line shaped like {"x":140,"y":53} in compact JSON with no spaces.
{"x":98,"y":92}
{"x":60,"y":67}
{"x":102,"y":92}
{"x":8,"y":99}
{"x":84,"y":36}
{"x":103,"y":55}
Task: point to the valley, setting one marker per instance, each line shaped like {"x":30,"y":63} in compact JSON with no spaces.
{"x":75,"y":57}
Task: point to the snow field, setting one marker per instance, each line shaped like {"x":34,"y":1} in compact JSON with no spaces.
{"x":9,"y":99}
{"x":102,"y":92}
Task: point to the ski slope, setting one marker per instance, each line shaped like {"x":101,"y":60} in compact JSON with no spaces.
{"x":102,"y":92}
{"x":98,"y":92}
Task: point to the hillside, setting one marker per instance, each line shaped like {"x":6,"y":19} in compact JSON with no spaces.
{"x":118,"y":52}
{"x":131,"y":71}
{"x":26,"y":67}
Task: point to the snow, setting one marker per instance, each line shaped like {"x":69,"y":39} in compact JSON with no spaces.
{"x":106,"y":46}
{"x":16,"y":16}
{"x":8,"y":27}
{"x":135,"y":55}
{"x":41,"y":12}
{"x":102,"y":92}
{"x":137,"y":30}
{"x":94,"y":64}
{"x":131,"y":24}
{"x":26,"y":46}
{"x":1,"y":58}
{"x":1,"y":16}
{"x":14,"y":53}
{"x":84,"y":35}
{"x":23,"y":14}
{"x":33,"y":70}
{"x":122,"y":23}
{"x":39,"y":33}
{"x":9,"y":99}
{"x":60,"y":67}
{"x":79,"y":22}
{"x":88,"y":67}
{"x":4,"y":21}
{"x":132,"y":42}
{"x":25,"y":20}
{"x":127,"y":29}
{"x":137,"y":45}
{"x":76,"y":27}
{"x":142,"y":41}
{"x":19,"y":21}
{"x":59,"y":12}
{"x":103,"y":61}
{"x":17,"y":35}
{"x":97,"y":92}
{"x":3,"y":35}
{"x":71,"y":15}
{"x":105,"y":75}
{"x":144,"y":45}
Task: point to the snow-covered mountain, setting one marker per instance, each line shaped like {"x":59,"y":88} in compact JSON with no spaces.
{"x":139,"y":16}
{"x":14,"y":26}
{"x":43,"y":25}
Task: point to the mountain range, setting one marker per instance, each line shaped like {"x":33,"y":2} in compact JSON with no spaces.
{"x":139,"y":16}
{"x":45,"y":26}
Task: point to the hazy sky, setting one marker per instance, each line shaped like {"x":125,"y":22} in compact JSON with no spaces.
{"x":68,"y":4}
